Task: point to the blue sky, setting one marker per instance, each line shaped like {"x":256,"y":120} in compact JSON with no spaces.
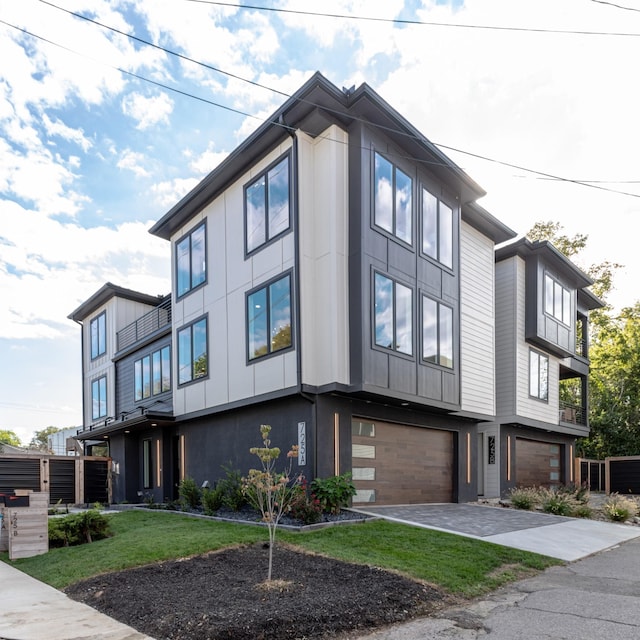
{"x":91,"y":157}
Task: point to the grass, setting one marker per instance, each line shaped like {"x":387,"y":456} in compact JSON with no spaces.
{"x":462,"y":566}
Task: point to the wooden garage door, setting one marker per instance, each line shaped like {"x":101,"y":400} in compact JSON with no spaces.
{"x":395,"y":464}
{"x":537,"y":463}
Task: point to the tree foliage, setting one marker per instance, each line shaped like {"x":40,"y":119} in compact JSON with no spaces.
{"x":40,"y":439}
{"x":9,"y":437}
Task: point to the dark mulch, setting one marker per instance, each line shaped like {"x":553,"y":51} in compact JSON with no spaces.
{"x":222,"y":595}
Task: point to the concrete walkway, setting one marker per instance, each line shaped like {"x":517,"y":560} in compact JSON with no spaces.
{"x":564,"y":538}
{"x":32,"y":610}
{"x":594,"y":598}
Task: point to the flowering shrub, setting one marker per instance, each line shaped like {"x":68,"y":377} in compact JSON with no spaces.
{"x":620,"y":508}
{"x":334,"y":492}
{"x":304,"y":506}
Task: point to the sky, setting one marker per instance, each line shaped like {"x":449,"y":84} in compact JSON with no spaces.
{"x":104,"y":127}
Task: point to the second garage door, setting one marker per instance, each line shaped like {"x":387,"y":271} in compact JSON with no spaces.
{"x":537,"y":463}
{"x":396,"y":464}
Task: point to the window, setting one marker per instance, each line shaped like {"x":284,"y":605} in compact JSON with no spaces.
{"x":437,"y":332}
{"x":557,"y":300}
{"x":152,"y":374}
{"x":191,"y":260}
{"x":99,"y":398}
{"x":146,"y":464}
{"x":192,"y":352}
{"x":98,"y":330}
{"x":393,"y":197}
{"x":269,"y":318}
{"x":538,"y":375}
{"x":437,"y":229}
{"x":393,"y":315}
{"x":267,"y":206}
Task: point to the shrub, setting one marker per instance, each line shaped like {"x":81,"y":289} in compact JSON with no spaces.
{"x":233,"y":496}
{"x":524,"y":498}
{"x":334,"y":492}
{"x":304,"y":506}
{"x":78,"y":528}
{"x":619,"y":508}
{"x":190,"y":493}
{"x":558,"y":503}
{"x":212,"y":499}
{"x":582,"y":511}
{"x":577,"y":493}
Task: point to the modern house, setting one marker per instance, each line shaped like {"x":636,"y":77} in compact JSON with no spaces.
{"x":335,"y":278}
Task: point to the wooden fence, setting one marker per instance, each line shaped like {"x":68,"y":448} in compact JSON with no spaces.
{"x":611,"y":475}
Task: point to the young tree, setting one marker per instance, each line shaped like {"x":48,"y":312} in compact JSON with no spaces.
{"x":269,"y":491}
{"x":40,"y":438}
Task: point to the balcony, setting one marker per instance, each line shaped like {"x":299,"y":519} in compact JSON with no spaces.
{"x":572,"y":413}
{"x":144,"y":326}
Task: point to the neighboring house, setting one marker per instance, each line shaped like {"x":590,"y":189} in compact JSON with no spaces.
{"x":542,"y":366}
{"x":333,"y":278}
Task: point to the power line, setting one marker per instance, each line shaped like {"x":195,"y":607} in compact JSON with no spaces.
{"x":401,"y":21}
{"x":593,"y":184}
{"x":617,"y":6}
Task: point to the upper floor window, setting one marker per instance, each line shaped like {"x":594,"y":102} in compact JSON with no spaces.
{"x":437,"y":332}
{"x":98,"y":331}
{"x":557,"y":300}
{"x":192,"y":351}
{"x":437,"y":229}
{"x":152,"y":374}
{"x":267,"y":206}
{"x":191,"y":260}
{"x":393,"y":315}
{"x":538,"y":375}
{"x":393,"y":198}
{"x":269,"y":318}
{"x":99,"y":398}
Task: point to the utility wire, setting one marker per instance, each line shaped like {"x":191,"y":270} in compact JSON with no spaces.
{"x":617,"y":6}
{"x":593,"y":185}
{"x":341,"y":16}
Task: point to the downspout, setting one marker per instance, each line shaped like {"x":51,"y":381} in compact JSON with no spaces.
{"x":82,"y":371}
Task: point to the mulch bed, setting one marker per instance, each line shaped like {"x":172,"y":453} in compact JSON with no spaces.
{"x":223,"y":595}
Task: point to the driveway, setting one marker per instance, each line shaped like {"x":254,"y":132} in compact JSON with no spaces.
{"x":564,"y":538}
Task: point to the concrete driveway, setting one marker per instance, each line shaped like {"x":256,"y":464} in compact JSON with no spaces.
{"x":564,"y":538}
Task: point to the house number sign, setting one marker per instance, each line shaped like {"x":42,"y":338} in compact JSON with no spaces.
{"x":302,"y":444}
{"x":491,"y":442}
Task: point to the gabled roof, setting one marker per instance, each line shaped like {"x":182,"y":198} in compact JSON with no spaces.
{"x":105,"y":293}
{"x":316,"y":105}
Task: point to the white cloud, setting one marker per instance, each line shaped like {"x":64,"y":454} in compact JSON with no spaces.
{"x":57,"y":128}
{"x":147,"y":111}
{"x":132,"y":161}
{"x":170,"y":192}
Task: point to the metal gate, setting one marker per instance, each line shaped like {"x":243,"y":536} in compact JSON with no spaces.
{"x":62,"y":481}
{"x":21,"y":473}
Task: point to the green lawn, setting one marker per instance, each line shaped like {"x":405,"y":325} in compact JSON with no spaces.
{"x":461,"y":565}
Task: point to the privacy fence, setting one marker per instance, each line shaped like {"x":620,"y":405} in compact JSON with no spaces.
{"x":611,"y":475}
{"x":69,"y":480}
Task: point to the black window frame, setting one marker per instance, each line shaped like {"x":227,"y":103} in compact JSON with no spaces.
{"x":541,"y":357}
{"x":439,"y":341}
{"x":152,"y":370}
{"x":189,"y":235}
{"x":96,"y":322}
{"x":394,"y":307}
{"x":265,"y":174}
{"x":147,"y":463}
{"x":266,"y":286}
{"x":98,"y":380}
{"x":554,"y":313}
{"x":454,"y":218}
{"x":189,"y":326}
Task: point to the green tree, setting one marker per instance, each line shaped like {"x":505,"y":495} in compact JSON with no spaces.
{"x":40,"y":438}
{"x":9,"y":437}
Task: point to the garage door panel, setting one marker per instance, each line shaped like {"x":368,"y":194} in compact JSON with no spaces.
{"x":537,"y":463}
{"x":406,"y":465}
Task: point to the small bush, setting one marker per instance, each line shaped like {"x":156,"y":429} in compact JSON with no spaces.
{"x":557,"y":503}
{"x":577,"y":493}
{"x":334,"y":492}
{"x":524,"y":498}
{"x":78,"y":528}
{"x":620,"y":508}
{"x":304,"y":506}
{"x":233,"y":496}
{"x":582,"y":511}
{"x":190,"y":493}
{"x":212,"y":500}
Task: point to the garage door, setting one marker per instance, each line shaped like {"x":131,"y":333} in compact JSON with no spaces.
{"x":537,"y":463}
{"x":395,"y":464}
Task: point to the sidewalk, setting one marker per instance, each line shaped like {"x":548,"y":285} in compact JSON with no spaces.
{"x":32,"y":610}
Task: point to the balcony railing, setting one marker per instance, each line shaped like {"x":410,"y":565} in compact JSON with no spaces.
{"x":572,"y":413}
{"x":145,"y":325}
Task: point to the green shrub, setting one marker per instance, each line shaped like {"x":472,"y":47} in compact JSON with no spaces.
{"x":575,"y":492}
{"x":78,"y":528}
{"x":334,"y":492}
{"x":233,"y":496}
{"x":620,"y":508}
{"x":190,"y":493}
{"x":524,"y":498}
{"x":582,"y":511}
{"x":212,"y":499}
{"x":304,"y":506}
{"x":557,"y":503}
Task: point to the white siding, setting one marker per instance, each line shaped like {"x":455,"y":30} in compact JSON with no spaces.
{"x":476,"y":321}
{"x":324,"y":257}
{"x":229,"y":277}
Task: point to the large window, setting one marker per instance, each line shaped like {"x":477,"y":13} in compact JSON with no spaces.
{"x":437,"y":229}
{"x":269,"y":318}
{"x":152,"y":374}
{"x":99,"y":398}
{"x":437,"y":332}
{"x":267,"y":206}
{"x":192,"y":352}
{"x":98,"y":330}
{"x":393,"y":315}
{"x":557,"y":300}
{"x":393,"y":197}
{"x":191,"y":260}
{"x":538,"y":375}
